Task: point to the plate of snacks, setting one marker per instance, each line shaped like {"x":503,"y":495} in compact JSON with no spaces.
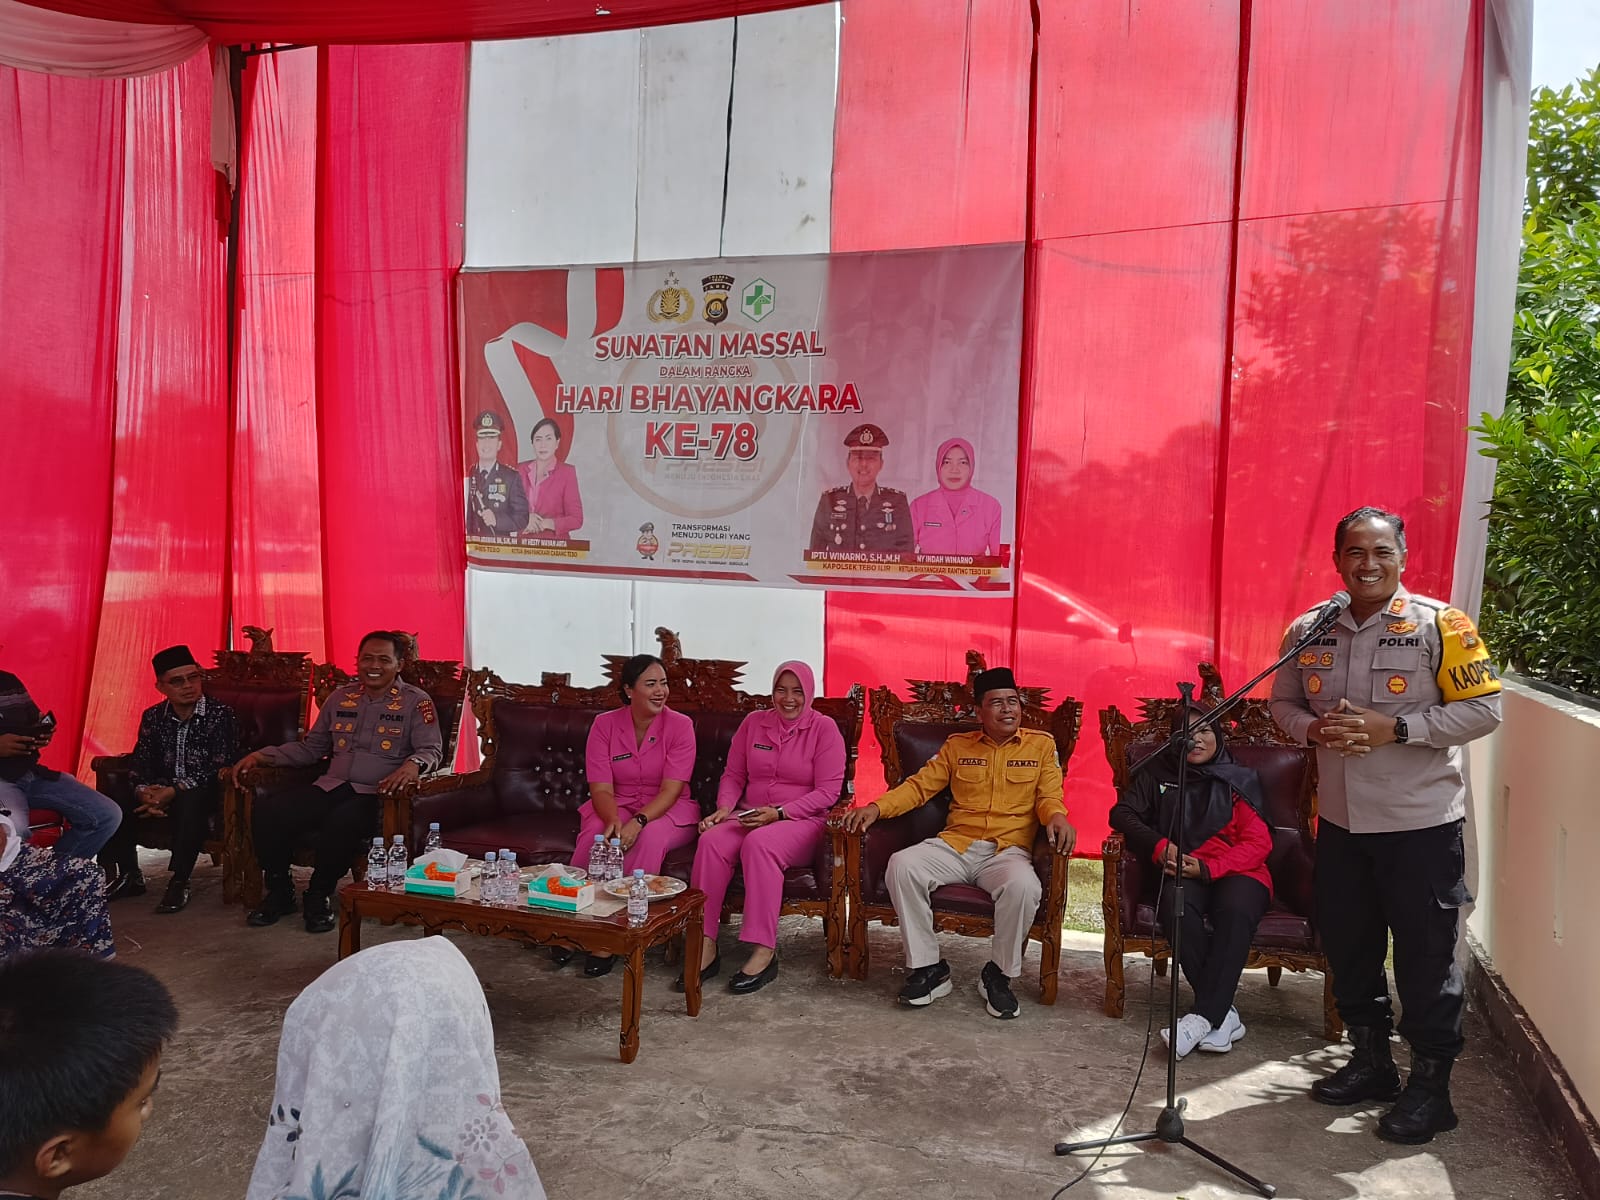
{"x":658,"y":886}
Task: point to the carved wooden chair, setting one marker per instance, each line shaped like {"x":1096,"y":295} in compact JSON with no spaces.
{"x":270,"y":695}
{"x":910,"y":733}
{"x":526,"y":794}
{"x":1287,"y":935}
{"x":446,"y":687}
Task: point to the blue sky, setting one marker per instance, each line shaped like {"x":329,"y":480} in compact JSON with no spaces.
{"x":1566,"y":40}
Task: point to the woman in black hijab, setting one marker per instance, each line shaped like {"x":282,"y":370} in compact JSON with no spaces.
{"x":1225,"y":877}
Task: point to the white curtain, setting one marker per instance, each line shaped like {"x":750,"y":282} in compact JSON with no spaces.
{"x":37,"y":39}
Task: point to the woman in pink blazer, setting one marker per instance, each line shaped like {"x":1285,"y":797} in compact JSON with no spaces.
{"x":785,"y":770}
{"x":638,"y":760}
{"x":555,"y":508}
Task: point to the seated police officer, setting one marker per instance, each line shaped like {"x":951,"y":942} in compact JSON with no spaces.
{"x":1004,"y":781}
{"x":378,"y":735}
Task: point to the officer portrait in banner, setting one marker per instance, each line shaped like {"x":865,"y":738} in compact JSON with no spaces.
{"x":810,"y":421}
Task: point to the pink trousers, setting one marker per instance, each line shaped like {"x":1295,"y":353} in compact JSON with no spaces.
{"x":764,"y":854}
{"x":655,"y":841}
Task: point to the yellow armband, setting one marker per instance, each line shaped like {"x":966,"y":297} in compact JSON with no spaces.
{"x":1465,"y":670}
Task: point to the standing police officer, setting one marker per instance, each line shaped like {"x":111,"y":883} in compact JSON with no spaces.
{"x":497,"y":504}
{"x":861,"y":515}
{"x":1389,"y":695}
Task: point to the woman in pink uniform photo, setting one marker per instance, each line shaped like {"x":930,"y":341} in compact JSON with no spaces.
{"x":955,"y":518}
{"x":638,"y":761}
{"x":555,"y":508}
{"x":785,"y":771}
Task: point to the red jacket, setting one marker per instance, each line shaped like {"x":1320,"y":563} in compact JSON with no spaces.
{"x":1239,"y":848}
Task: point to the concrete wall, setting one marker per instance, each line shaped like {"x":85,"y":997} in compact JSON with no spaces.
{"x":1537,"y":817}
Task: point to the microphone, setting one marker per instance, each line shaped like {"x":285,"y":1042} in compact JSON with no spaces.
{"x":1336,"y":604}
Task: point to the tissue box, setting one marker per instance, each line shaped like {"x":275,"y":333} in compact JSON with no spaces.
{"x":418,"y":883}
{"x":564,"y":898}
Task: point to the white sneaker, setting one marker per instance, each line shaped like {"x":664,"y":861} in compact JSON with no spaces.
{"x":1221,"y":1039}
{"x":1192,"y":1028}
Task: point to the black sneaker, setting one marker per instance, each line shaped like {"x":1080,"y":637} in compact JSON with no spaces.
{"x":926,"y":984}
{"x":995,"y":988}
{"x":278,"y":902}
{"x":319,"y":913}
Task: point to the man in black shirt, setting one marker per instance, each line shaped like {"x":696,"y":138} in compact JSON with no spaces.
{"x":183,"y":742}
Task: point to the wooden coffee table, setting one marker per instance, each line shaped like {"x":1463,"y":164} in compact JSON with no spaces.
{"x":581,"y":931}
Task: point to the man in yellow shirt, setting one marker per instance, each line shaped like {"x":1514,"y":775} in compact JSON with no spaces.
{"x":1004,"y":781}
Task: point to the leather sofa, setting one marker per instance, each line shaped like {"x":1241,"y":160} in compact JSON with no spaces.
{"x":910,"y":733}
{"x":1287,"y":935}
{"x":526,"y":795}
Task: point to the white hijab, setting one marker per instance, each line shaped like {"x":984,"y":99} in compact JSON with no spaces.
{"x":388,"y":1089}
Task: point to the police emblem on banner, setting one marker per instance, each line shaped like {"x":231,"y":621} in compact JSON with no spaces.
{"x":670,"y":302}
{"x":648,"y":543}
{"x":716,"y":289}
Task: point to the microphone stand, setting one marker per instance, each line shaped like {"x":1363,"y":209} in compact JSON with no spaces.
{"x":1169,"y":1125}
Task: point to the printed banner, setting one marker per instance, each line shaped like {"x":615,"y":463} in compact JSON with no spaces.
{"x":843,"y":421}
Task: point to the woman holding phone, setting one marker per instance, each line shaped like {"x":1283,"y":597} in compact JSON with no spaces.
{"x":785,"y":771}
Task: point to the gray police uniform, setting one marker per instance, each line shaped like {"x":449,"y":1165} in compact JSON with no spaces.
{"x":500,"y":491}
{"x":364,"y":739}
{"x":1389,"y":844}
{"x":845,"y":521}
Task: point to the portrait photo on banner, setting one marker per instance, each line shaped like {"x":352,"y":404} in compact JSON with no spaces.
{"x":843,"y":421}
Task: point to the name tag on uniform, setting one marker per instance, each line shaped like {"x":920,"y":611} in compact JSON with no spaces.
{"x":972,"y":762}
{"x":1399,"y":641}
{"x":1023,"y":762}
{"x":620,"y":757}
{"x":762,"y":746}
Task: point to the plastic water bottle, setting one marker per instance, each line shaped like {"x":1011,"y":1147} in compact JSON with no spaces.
{"x":597,"y":859}
{"x":377,"y":867}
{"x":501,"y":878}
{"x":615,"y":864}
{"x":638,"y":899}
{"x":433,"y":841}
{"x":399,"y":860}
{"x":511,"y":889}
{"x":489,"y":880}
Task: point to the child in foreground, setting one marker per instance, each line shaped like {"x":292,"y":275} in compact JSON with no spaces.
{"x":80,"y":1056}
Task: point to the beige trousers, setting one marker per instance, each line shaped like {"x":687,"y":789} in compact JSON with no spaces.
{"x":1008,"y":877}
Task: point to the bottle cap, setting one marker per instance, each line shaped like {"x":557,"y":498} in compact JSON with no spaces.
{"x":638,"y":872}
{"x":433,"y":827}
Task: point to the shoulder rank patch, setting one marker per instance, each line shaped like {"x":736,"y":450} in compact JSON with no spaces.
{"x":425,"y":707}
{"x":1397,"y":606}
{"x":1465,"y":670}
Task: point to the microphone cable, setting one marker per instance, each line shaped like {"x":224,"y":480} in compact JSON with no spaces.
{"x":1149,"y":1021}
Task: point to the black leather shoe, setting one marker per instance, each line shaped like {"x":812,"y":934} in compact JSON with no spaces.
{"x":561,"y":956}
{"x":709,"y":971}
{"x":175,"y":898}
{"x":1369,"y":1075}
{"x":278,"y":902}
{"x":126,"y":885}
{"x":1424,"y":1107}
{"x":594,"y":966}
{"x":742,"y":984}
{"x":319,"y":913}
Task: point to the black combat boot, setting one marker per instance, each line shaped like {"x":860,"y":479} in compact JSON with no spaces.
{"x":1369,"y":1075}
{"x":1424,"y":1107}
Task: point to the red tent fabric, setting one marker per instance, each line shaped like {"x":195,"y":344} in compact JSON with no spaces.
{"x":233,"y":22}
